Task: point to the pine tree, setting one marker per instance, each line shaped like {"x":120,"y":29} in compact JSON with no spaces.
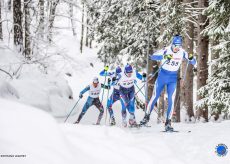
{"x":202,"y":51}
{"x":216,"y":92}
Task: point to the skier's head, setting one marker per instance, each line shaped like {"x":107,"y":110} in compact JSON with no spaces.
{"x":95,"y":82}
{"x":176,"y":43}
{"x":128,"y":70}
{"x":118,"y":70}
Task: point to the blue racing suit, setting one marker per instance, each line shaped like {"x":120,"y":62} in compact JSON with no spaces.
{"x":127,"y":93}
{"x":168,"y":76}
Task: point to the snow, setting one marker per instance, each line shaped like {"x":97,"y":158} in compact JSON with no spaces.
{"x":34,"y":133}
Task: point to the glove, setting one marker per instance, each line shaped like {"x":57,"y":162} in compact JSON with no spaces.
{"x":114,"y":79}
{"x":194,"y":69}
{"x":168,"y":57}
{"x":144,"y":75}
{"x":190,"y":56}
{"x":106,"y":68}
{"x":109,"y":80}
{"x":80,"y":96}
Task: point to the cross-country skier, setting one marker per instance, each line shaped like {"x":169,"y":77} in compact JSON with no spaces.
{"x":126,"y":82}
{"x":93,"y":99}
{"x":172,"y":57}
{"x":115,"y":96}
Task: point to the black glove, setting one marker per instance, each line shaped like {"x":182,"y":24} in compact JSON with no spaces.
{"x":144,"y":75}
{"x":109,"y":80}
{"x":194,"y":69}
{"x":80,"y":96}
{"x":114,"y":79}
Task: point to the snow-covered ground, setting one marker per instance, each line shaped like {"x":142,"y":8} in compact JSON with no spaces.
{"x":34,"y":133}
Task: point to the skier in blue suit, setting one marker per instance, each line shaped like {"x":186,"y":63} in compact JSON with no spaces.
{"x":172,"y":57}
{"x":126,"y":82}
{"x":115,"y":96}
{"x":93,"y":99}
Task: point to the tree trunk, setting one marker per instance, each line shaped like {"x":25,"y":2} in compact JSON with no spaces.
{"x":87,"y":30}
{"x":72,"y":17}
{"x":82,"y":27}
{"x":1,"y":36}
{"x":214,"y":67}
{"x":202,"y":50}
{"x":53,"y":7}
{"x":42,"y":19}
{"x":177,"y":99}
{"x":161,"y":102}
{"x":27,"y":48}
{"x":9,"y":5}
{"x":17,"y":22}
{"x":187,"y":88}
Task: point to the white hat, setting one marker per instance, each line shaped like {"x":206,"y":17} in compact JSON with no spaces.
{"x":95,"y":80}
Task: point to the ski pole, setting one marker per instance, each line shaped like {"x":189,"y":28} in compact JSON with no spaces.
{"x":151,"y":76}
{"x":109,"y":80}
{"x":140,"y":90}
{"x":183,"y":80}
{"x":72,"y":109}
{"x":106,"y":69}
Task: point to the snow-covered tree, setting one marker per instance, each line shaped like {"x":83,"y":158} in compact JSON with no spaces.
{"x":121,"y":29}
{"x":17,"y":22}
{"x":217,"y":91}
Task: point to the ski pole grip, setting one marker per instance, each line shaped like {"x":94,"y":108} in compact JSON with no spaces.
{"x":109,"y":80}
{"x":106,"y":68}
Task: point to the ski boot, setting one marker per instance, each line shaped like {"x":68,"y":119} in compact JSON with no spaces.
{"x":124,"y":123}
{"x":133,"y":123}
{"x":77,"y":122}
{"x":113,"y":122}
{"x":145,"y":120}
{"x":168,"y":126}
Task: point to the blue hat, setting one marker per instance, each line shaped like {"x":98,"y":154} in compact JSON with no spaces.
{"x":177,"y":40}
{"x":128,"y":69}
{"x":118,"y":69}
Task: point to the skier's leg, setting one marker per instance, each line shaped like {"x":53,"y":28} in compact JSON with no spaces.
{"x":109,"y":106}
{"x":159,"y":86}
{"x":100,"y":107}
{"x":88,"y":103}
{"x":131,"y":108}
{"x":113,"y":98}
{"x":124,"y":101}
{"x":171,"y":90}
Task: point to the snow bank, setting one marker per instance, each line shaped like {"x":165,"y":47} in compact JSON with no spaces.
{"x":31,"y":132}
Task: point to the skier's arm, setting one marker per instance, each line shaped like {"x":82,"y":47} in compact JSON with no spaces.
{"x":105,"y":73}
{"x":105,"y":86}
{"x":159,"y":55}
{"x":190,"y":58}
{"x":85,"y":90}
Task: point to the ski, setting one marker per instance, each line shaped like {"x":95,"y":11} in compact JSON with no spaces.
{"x":170,"y":131}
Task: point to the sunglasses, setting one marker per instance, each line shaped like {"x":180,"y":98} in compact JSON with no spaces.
{"x":176,"y":46}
